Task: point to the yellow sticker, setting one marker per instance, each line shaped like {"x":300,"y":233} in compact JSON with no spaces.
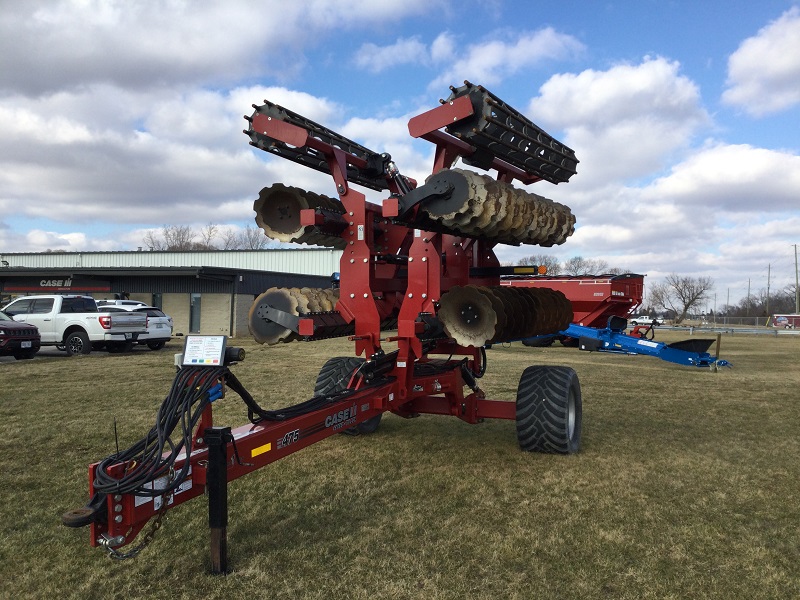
{"x":261,"y":450}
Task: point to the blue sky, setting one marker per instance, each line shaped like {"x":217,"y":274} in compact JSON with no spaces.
{"x":119,"y":117}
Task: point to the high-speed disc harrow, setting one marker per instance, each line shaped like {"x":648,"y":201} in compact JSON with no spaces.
{"x":419,"y":295}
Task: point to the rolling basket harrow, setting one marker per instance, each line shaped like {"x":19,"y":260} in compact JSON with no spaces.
{"x":418,"y":272}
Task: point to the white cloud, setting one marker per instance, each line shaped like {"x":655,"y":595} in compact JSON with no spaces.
{"x":72,"y":43}
{"x":505,"y":54}
{"x":645,"y":197}
{"x":56,"y":241}
{"x":624,"y":122}
{"x":164,"y":156}
{"x":374,"y":59}
{"x":732,"y":178}
{"x":405,"y":51}
{"x":443,"y":48}
{"x":764,"y":72}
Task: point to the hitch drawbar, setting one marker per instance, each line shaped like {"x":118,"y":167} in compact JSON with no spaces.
{"x":614,"y":339}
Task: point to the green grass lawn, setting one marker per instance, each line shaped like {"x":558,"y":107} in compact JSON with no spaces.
{"x":686,"y":486}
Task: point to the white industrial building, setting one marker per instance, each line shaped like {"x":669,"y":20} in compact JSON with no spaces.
{"x":207,"y":292}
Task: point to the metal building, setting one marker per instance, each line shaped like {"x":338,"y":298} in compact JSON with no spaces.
{"x":207,"y":292}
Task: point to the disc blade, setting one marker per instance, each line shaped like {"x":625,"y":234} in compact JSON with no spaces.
{"x":261,"y":328}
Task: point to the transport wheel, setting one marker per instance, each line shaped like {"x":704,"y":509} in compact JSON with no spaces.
{"x":119,"y":347}
{"x":334,"y":377}
{"x":549,"y":410}
{"x":569,"y":342}
{"x":77,"y":342}
{"x":538,"y":342}
{"x":155,"y":345}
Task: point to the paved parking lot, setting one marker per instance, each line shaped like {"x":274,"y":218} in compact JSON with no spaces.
{"x":53,"y":352}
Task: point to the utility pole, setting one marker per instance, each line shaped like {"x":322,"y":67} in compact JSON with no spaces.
{"x":769,"y":271}
{"x":728,"y":306}
{"x":796,"y":285}
{"x":748,"y":297}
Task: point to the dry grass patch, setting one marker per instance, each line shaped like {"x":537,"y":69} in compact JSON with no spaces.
{"x":686,"y":486}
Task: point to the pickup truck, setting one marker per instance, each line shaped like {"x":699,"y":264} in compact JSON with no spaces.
{"x":74,"y":323}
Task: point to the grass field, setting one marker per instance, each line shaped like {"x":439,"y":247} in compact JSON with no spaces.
{"x":686,"y":486}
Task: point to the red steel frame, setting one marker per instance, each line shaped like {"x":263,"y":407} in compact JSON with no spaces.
{"x":370,"y":289}
{"x":594,"y":298}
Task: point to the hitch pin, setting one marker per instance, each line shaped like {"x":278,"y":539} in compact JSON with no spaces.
{"x":109,"y":543}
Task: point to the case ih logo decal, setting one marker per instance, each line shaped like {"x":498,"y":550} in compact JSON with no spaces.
{"x":343,"y":418}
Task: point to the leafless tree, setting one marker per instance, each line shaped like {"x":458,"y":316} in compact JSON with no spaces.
{"x":758,"y":304}
{"x":577,"y":265}
{"x":173,"y":238}
{"x":207,"y":235}
{"x":177,"y":238}
{"x":153,"y":242}
{"x":253,"y":238}
{"x":681,"y":294}
{"x":551,"y":262}
{"x":230,"y":239}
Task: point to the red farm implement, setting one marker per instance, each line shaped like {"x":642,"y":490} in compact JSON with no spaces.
{"x":420,"y":295}
{"x":600,"y":306}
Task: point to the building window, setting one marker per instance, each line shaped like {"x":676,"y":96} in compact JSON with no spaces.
{"x":157,"y":301}
{"x":194,"y":313}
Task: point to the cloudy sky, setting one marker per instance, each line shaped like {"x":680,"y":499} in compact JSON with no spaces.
{"x":119,"y":117}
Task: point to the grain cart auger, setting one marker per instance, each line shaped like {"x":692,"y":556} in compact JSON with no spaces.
{"x":418,"y":272}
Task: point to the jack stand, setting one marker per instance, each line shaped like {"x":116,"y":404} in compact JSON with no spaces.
{"x":217,"y":488}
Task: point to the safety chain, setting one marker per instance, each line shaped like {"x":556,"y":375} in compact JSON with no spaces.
{"x":149,"y":534}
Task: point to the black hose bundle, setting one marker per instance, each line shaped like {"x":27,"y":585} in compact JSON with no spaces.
{"x":154,"y":456}
{"x":146,"y":460}
{"x":258,"y":414}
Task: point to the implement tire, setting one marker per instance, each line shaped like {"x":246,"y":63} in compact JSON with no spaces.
{"x":334,"y":377}
{"x":119,"y":347}
{"x":549,"y":410}
{"x":539,"y":342}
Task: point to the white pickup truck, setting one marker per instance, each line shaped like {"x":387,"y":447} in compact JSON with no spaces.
{"x":74,"y":323}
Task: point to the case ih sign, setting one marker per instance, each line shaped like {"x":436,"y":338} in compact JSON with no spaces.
{"x":55,"y":284}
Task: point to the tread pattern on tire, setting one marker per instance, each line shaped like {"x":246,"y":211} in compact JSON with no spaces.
{"x":335,"y":374}
{"x":543,"y":406}
{"x":545,"y":342}
{"x":333,"y":377}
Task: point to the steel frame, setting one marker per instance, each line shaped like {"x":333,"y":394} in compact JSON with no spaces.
{"x":387,"y":267}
